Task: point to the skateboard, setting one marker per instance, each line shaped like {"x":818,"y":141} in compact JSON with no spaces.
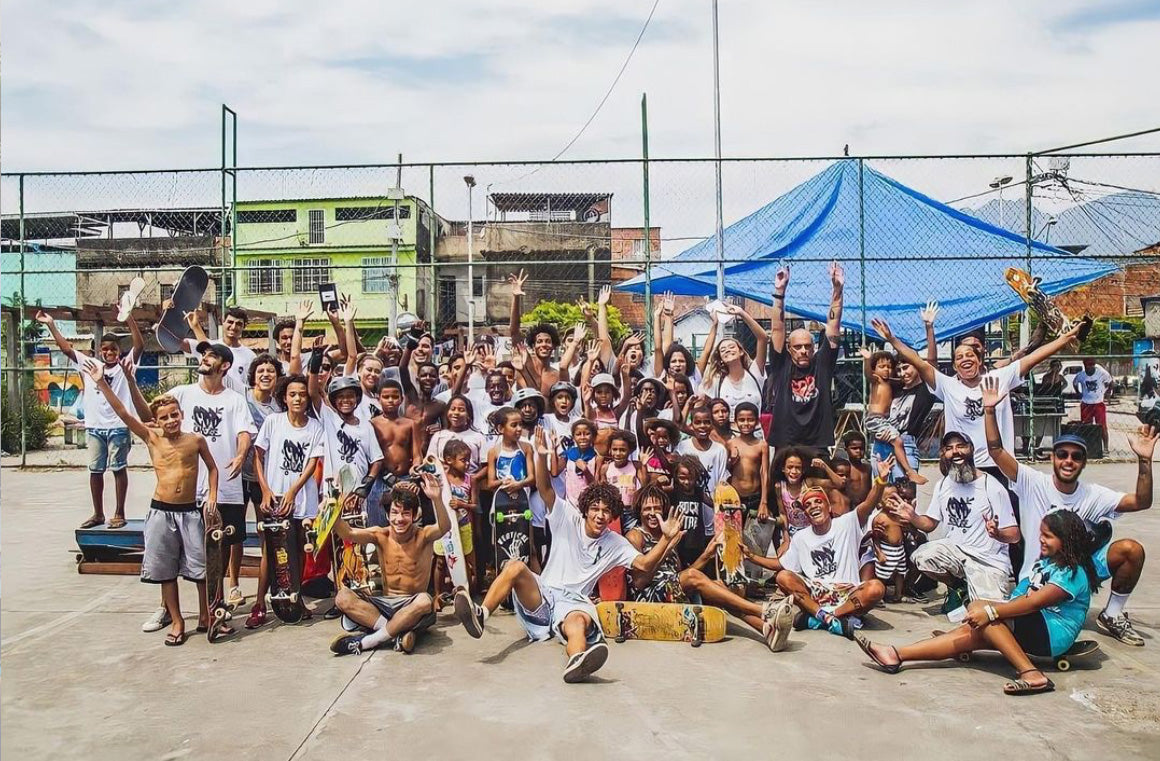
{"x":758,"y":536}
{"x":1082,"y":648}
{"x":129,"y":298}
{"x":450,"y":543}
{"x":1043,"y":305}
{"x":172,"y":329}
{"x":331,"y":508}
{"x":662,"y":622}
{"x":219,"y":612}
{"x":613,"y":585}
{"x":280,"y":556}
{"x":727,"y":522}
{"x":511,"y":528}
{"x":352,"y":566}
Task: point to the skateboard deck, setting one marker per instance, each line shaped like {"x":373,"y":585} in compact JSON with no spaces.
{"x":613,"y":585}
{"x":758,"y":536}
{"x":511,"y":521}
{"x":219,"y":612}
{"x":172,"y":329}
{"x":662,"y":622}
{"x":1045,"y":308}
{"x":450,"y":543}
{"x":331,"y":508}
{"x":351,"y":568}
{"x":1081,"y":649}
{"x":727,"y":522}
{"x":129,"y":298}
{"x":280,"y":557}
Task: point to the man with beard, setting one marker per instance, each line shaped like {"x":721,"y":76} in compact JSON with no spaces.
{"x":543,"y":339}
{"x":1039,"y":493}
{"x":979,"y":524}
{"x":233,"y":325}
{"x":422,"y":407}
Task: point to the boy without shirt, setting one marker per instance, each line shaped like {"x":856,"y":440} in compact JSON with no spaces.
{"x":174,"y":527}
{"x":399,"y":439}
{"x":858,"y":483}
{"x":879,"y":370}
{"x":406,"y":553}
{"x":749,"y":475}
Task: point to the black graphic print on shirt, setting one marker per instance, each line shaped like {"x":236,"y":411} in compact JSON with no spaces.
{"x":208,"y":421}
{"x":293,"y":456}
{"x":347,"y":446}
{"x":825,"y":563}
{"x":973,"y":409}
{"x":958,"y":510}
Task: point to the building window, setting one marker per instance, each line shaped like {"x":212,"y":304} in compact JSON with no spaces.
{"x":477,"y":288}
{"x":309,"y":274}
{"x":264,"y":276}
{"x":167,"y":291}
{"x":638,"y":249}
{"x":361,"y":213}
{"x":376,"y":274}
{"x":317,"y":226}
{"x":266,"y":216}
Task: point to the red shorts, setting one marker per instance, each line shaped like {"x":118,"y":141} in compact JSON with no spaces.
{"x":1094,"y":413}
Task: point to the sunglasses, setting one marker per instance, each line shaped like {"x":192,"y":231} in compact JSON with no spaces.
{"x":1073,"y":455}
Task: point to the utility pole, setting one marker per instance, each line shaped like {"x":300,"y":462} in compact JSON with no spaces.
{"x":396,"y":230}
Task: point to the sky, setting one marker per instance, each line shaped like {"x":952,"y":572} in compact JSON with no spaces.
{"x":130,"y":84}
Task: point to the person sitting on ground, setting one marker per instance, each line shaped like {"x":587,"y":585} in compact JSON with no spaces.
{"x":1043,"y":617}
{"x":790,"y":479}
{"x":972,"y":555}
{"x":820,"y":569}
{"x":672,"y":584}
{"x":405,"y":551}
{"x":1122,"y":560}
{"x":556,"y":602}
{"x":174,"y":527}
{"x":879,"y":369}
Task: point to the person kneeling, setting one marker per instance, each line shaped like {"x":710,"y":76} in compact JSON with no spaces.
{"x":406,"y":553}
{"x":1043,"y":617}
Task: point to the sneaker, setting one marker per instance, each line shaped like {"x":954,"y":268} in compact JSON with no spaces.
{"x":1120,"y":628}
{"x":954,"y":600}
{"x":256,"y":618}
{"x":405,"y":643}
{"x":585,"y":663}
{"x":841,"y":627}
{"x":779,"y":624}
{"x":803,"y":621}
{"x":235,"y":597}
{"x":158,"y":621}
{"x":469,"y":614}
{"x":347,"y":644}
{"x":331,"y":614}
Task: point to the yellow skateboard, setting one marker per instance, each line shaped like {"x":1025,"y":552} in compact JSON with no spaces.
{"x":662,"y":622}
{"x":727,"y":520}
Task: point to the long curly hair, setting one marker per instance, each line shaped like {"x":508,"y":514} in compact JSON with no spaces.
{"x":606,"y":493}
{"x":651,"y":490}
{"x":1076,"y":543}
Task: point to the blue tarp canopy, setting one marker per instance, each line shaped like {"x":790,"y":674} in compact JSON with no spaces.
{"x":912,"y":248}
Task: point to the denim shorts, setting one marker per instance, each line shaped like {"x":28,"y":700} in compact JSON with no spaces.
{"x":108,"y":449}
{"x":883,"y":450}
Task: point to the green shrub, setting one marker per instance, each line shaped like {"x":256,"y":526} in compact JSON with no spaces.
{"x":40,"y":419}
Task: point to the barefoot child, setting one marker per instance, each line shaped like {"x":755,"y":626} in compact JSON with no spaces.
{"x":174,"y":527}
{"x":858,"y":483}
{"x":879,"y":367}
{"x":576,"y":463}
{"x":749,"y":475}
{"x":399,"y":440}
{"x":456,"y":461}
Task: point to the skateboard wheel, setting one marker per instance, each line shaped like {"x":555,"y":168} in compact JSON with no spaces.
{"x":216,"y":535}
{"x":219,"y":614}
{"x":528,"y":514}
{"x":499,"y":517}
{"x":229,"y":530}
{"x":1063,"y":664}
{"x":308,"y":547}
{"x":293,"y":597}
{"x":268,"y":599}
{"x":964,"y":657}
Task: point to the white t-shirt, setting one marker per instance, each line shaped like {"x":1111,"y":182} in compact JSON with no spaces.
{"x":832,"y":557}
{"x":471,"y":437}
{"x":238,"y":374}
{"x":353,"y":444}
{"x":288,"y":449}
{"x":1092,"y":388}
{"x":962,"y":510}
{"x":577,"y":561}
{"x":1038,"y":496}
{"x":368,"y":407}
{"x":98,"y":412}
{"x":963,"y":409}
{"x":748,"y":389}
{"x":219,"y":418}
{"x":715,"y":459}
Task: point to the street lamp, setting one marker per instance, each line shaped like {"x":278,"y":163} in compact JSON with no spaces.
{"x":997,"y":184}
{"x":470,"y":181}
{"x":1050,"y":223}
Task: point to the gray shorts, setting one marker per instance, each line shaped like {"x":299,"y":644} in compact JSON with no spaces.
{"x":174,"y":544}
{"x":879,"y":427}
{"x":388,"y":606}
{"x":540,"y":624}
{"x":984,"y":582}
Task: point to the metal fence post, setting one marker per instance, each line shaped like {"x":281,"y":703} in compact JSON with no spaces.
{"x":1025,"y":333}
{"x":433,"y":288}
{"x":650,"y":339}
{"x":20,"y":317}
{"x":861,"y":268}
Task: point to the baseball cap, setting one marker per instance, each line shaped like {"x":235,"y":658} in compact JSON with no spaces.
{"x":602,"y":379}
{"x":950,"y":436}
{"x":220,"y":349}
{"x":1069,"y":438}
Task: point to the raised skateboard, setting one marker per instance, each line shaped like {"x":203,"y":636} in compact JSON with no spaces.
{"x":613,"y":585}
{"x":350,"y":560}
{"x":129,"y":298}
{"x":281,"y":558}
{"x":331,"y":508}
{"x":511,"y":521}
{"x":1080,"y":649}
{"x":450,"y":543}
{"x":1045,"y":308}
{"x":219,"y":612}
{"x":727,"y":522}
{"x":172,"y":329}
{"x":662,"y":622}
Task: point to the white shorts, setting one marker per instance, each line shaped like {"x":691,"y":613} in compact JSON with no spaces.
{"x":540,"y":624}
{"x":984,"y":582}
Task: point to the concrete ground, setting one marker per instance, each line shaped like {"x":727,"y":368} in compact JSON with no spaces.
{"x":81,"y":680}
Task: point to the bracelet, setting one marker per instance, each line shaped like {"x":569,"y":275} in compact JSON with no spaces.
{"x":990,"y":611}
{"x":779,"y":296}
{"x":879,"y":481}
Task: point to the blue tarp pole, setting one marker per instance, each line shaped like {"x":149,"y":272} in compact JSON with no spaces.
{"x":862,"y":267}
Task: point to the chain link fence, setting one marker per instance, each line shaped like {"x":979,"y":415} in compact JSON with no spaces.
{"x":438,"y":242}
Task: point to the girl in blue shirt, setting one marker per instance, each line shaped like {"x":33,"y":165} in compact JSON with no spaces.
{"x":1042,"y":618}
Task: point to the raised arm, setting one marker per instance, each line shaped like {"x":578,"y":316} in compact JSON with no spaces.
{"x":707,"y":349}
{"x":433,"y":488}
{"x":992,"y":395}
{"x":62,"y":343}
{"x":1144,"y":445}
{"x":1048,"y":349}
{"x":667,"y":323}
{"x":777,"y":323}
{"x":137,"y":350}
{"x":658,"y":341}
{"x":878,"y":486}
{"x":96,"y":375}
{"x":928,"y":315}
{"x":579,"y":333}
{"x":517,"y":283}
{"x":834,"y":316}
{"x":313,"y":385}
{"x":904,"y":512}
{"x":346,"y":313}
{"x":758,"y":333}
{"x":926,"y":370}
{"x":542,"y":472}
{"x":140,"y":404}
{"x":602,"y":333}
{"x":867,"y":370}
{"x":305,"y":309}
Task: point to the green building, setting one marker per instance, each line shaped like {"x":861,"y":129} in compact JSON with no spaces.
{"x":287,"y":248}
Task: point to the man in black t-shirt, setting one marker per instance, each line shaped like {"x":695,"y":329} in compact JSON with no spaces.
{"x":800,"y":378}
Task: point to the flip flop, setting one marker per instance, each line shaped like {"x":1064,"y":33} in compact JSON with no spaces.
{"x":175,"y":640}
{"x":1021,"y":687}
{"x":93,"y":523}
{"x":117,"y":523}
{"x":889,"y":668}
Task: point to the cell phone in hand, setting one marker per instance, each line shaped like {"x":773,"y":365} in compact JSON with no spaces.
{"x":328,"y":295}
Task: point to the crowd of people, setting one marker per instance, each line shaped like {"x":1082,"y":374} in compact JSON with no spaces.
{"x":618,"y":453}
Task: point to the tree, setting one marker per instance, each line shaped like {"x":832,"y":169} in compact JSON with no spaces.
{"x":565,"y":315}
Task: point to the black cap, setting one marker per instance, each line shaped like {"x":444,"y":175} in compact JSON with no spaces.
{"x":219,"y":349}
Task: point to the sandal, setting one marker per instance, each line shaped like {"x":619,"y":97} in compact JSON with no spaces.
{"x":92,"y":523}
{"x":175,"y":640}
{"x":117,"y":523}
{"x":865,"y":644}
{"x":1021,"y":686}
